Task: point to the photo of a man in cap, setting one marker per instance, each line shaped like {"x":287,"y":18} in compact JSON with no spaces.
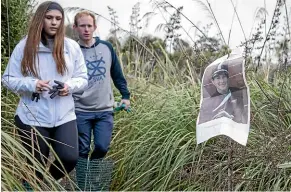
{"x":220,"y":79}
{"x":224,"y":101}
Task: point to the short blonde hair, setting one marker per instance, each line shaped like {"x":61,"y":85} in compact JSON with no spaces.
{"x":84,"y":13}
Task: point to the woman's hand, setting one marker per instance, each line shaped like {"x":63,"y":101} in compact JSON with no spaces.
{"x":42,"y":86}
{"x":64,"y":91}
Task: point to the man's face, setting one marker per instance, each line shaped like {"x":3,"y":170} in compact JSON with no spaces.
{"x":52,"y":22}
{"x":85,"y":27}
{"x":221,"y":83}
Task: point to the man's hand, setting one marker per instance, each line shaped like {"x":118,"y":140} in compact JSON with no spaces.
{"x":64,"y":91}
{"x":42,"y":86}
{"x":126,"y":102}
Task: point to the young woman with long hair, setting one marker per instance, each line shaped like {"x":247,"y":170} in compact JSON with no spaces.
{"x":46,"y":63}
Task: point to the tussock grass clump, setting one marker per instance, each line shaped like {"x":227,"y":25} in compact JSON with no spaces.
{"x":155,"y":146}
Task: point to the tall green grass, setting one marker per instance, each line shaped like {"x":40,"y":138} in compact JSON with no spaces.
{"x":14,"y":168}
{"x":155,"y":146}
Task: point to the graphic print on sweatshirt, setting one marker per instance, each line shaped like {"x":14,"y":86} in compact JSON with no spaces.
{"x":96,"y":70}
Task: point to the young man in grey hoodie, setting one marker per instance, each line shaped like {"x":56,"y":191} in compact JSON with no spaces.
{"x":94,"y":106}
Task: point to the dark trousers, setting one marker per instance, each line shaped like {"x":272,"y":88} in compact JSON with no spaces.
{"x":63,"y":139}
{"x":102,"y":125}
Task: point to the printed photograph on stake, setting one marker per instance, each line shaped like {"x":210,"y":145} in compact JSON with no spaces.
{"x":224,"y":106}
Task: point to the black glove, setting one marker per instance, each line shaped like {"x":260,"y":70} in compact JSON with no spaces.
{"x":55,"y":91}
{"x":35,"y":96}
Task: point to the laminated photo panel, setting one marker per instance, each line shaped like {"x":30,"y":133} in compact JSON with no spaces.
{"x":225,"y":101}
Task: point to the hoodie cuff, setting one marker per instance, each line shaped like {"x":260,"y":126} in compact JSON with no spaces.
{"x":31,"y":83}
{"x":70,"y":89}
{"x":126,"y":96}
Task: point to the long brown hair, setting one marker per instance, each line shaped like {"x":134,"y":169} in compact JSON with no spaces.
{"x":28,"y":63}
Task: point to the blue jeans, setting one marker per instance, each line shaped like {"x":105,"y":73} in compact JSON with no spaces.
{"x":102,"y":125}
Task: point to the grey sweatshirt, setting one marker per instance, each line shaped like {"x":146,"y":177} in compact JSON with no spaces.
{"x":102,"y":65}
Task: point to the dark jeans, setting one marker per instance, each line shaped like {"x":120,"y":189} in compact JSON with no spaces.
{"x":64,"y":141}
{"x":102,"y":125}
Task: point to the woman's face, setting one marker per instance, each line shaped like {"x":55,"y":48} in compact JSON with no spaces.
{"x":52,"y":22}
